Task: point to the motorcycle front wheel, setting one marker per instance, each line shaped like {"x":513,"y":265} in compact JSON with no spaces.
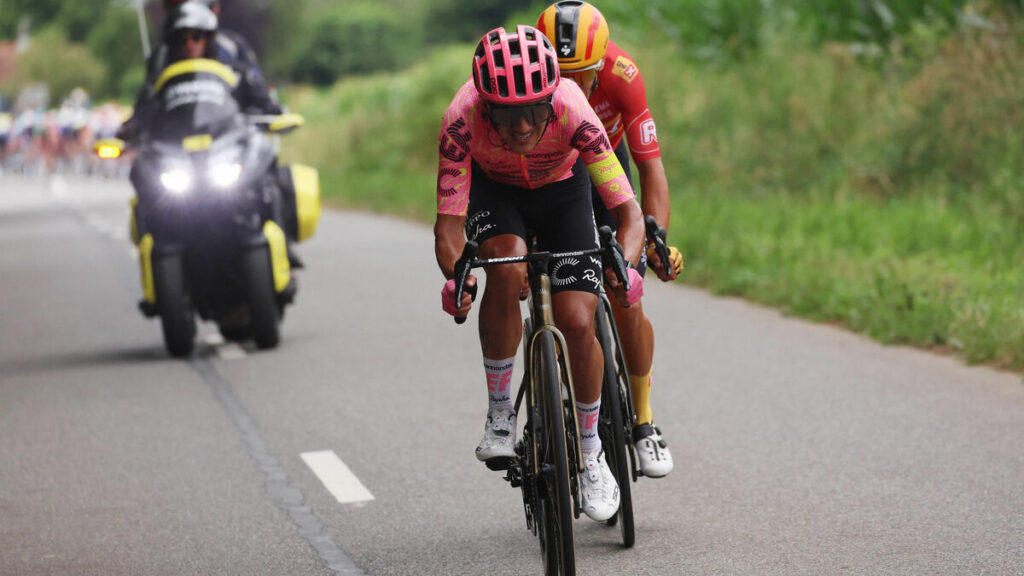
{"x":177,"y":317}
{"x":264,"y":310}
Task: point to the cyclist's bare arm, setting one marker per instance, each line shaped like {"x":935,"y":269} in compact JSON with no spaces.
{"x":655,"y":201}
{"x":448,"y":241}
{"x":630,"y":234}
{"x":654,"y":198}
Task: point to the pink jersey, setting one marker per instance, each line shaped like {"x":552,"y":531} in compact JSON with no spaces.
{"x":467,"y":137}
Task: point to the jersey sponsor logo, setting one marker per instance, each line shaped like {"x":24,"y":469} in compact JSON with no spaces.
{"x":499,"y":382}
{"x":476,"y":217}
{"x":480,"y":230}
{"x":591,"y":276}
{"x":476,"y":224}
{"x":625,"y":69}
{"x":546,"y":156}
{"x":557,"y":280}
{"x":587,"y":421}
{"x":648,"y":133}
{"x":455,"y":146}
{"x":451,"y":172}
{"x":590,"y":138}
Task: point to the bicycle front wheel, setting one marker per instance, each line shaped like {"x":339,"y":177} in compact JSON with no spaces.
{"x":557,"y":539}
{"x":614,"y":428}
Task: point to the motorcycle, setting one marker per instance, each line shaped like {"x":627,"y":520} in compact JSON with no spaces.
{"x":213,"y":211}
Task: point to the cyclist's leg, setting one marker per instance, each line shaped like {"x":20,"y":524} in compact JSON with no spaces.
{"x":637,"y":337}
{"x":494,"y":222}
{"x":568,"y":225}
{"x":635,"y":329}
{"x":563,"y":219}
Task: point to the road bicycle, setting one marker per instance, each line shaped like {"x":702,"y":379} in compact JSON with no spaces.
{"x":548,"y":456}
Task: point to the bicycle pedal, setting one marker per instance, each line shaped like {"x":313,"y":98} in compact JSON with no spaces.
{"x":499,"y":463}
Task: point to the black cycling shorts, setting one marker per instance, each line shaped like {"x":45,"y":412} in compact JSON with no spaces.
{"x":602,"y":217}
{"x":560,"y":214}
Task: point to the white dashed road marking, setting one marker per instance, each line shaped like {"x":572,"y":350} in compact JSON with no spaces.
{"x":336,"y":477}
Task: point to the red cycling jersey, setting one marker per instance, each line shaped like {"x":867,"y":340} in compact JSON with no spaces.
{"x":620,"y":100}
{"x":467,"y":137}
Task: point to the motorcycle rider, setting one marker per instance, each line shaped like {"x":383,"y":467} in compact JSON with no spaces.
{"x":226,"y":47}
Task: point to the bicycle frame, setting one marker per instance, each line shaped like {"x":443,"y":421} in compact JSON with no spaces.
{"x":543,"y":320}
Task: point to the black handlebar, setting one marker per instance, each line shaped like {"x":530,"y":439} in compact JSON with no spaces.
{"x":462,"y":267}
{"x":613,"y":253}
{"x":656,"y":235}
{"x":611,"y":256}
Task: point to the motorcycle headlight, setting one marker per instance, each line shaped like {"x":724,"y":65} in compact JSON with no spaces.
{"x":176,"y":180}
{"x":225,"y":175}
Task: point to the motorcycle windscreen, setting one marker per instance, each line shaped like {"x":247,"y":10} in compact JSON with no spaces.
{"x":195,"y":97}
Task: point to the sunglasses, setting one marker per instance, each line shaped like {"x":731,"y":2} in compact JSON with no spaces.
{"x":192,"y":36}
{"x":535,"y":114}
{"x":584,"y":78}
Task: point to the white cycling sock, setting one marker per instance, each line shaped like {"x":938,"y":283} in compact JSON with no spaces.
{"x":588,"y":415}
{"x":499,"y":383}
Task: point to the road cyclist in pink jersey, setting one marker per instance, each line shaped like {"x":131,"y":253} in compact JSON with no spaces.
{"x":615,"y":89}
{"x":516,"y":148}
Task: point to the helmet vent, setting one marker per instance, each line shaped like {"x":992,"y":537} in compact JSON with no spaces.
{"x":536,"y":80}
{"x":520,"y":82}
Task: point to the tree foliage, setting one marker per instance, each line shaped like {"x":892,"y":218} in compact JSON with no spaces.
{"x":353,"y":39}
{"x":448,"y":21}
{"x":115,"y":40}
{"x":63,"y":65}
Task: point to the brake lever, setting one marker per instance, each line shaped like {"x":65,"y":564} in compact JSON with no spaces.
{"x":614,"y":252}
{"x":656,"y":234}
{"x":462,"y":268}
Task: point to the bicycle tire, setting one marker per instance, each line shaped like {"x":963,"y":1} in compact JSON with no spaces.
{"x":613,"y":428}
{"x":557,"y":541}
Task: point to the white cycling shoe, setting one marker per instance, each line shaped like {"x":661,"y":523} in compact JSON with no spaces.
{"x":598,"y":489}
{"x":499,"y":436}
{"x":652,"y":451}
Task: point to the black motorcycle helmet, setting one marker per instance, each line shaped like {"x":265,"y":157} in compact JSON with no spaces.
{"x":188,"y":19}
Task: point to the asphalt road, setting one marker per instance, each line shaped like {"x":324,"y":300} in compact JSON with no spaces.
{"x":799,"y":448}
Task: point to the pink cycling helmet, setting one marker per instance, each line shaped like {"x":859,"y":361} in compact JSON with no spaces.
{"x":511,"y":69}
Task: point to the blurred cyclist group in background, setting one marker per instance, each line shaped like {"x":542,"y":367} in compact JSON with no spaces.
{"x":37,"y":140}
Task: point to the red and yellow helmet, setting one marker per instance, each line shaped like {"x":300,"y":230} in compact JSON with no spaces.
{"x":579,"y":33}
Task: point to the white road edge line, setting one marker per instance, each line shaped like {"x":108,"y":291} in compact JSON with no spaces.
{"x":336,"y":477}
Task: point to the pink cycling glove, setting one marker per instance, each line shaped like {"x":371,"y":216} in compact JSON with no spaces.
{"x":448,"y":298}
{"x":636,"y":286}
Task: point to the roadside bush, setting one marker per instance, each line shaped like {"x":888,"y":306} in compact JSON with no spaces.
{"x":360,"y":38}
{"x":116,"y":42}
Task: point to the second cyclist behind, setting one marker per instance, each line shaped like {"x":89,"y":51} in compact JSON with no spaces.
{"x":612,"y":83}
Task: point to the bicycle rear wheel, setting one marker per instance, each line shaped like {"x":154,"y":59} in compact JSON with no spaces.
{"x":614,"y":425}
{"x":557,"y":539}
